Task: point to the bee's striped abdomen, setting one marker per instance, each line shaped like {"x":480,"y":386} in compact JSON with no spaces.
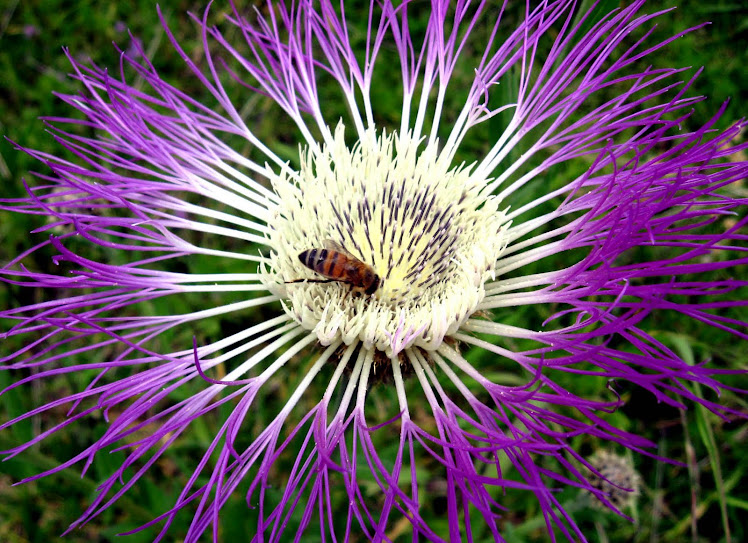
{"x":322,"y":261}
{"x":309,"y":258}
{"x":331,"y":264}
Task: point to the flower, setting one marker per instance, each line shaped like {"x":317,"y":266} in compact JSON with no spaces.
{"x":616,"y":478}
{"x":176,"y":216}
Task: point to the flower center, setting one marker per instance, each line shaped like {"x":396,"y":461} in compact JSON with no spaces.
{"x":392,"y":206}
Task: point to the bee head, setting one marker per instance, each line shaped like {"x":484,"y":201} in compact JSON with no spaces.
{"x":374,"y":282}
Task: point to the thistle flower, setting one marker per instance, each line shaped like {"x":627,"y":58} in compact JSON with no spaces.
{"x":175,"y":215}
{"x":616,"y":477}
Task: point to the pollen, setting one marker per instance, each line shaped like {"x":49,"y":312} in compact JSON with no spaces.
{"x":428,"y":229}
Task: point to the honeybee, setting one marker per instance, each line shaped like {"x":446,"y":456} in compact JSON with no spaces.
{"x":337,"y":264}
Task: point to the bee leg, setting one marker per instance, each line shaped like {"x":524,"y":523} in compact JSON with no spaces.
{"x":351,"y":290}
{"x":310,"y":281}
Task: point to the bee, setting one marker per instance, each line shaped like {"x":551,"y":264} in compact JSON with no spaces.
{"x":337,"y":264}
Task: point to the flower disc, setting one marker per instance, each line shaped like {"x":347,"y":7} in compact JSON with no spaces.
{"x":429,"y":232}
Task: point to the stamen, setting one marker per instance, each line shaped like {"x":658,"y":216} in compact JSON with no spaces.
{"x":433,"y":241}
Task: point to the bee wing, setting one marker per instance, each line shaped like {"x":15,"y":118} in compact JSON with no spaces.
{"x":333,"y":245}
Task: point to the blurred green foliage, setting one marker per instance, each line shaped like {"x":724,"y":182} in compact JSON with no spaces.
{"x":33,"y":66}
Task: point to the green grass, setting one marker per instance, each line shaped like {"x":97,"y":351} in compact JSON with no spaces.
{"x":709,"y":493}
